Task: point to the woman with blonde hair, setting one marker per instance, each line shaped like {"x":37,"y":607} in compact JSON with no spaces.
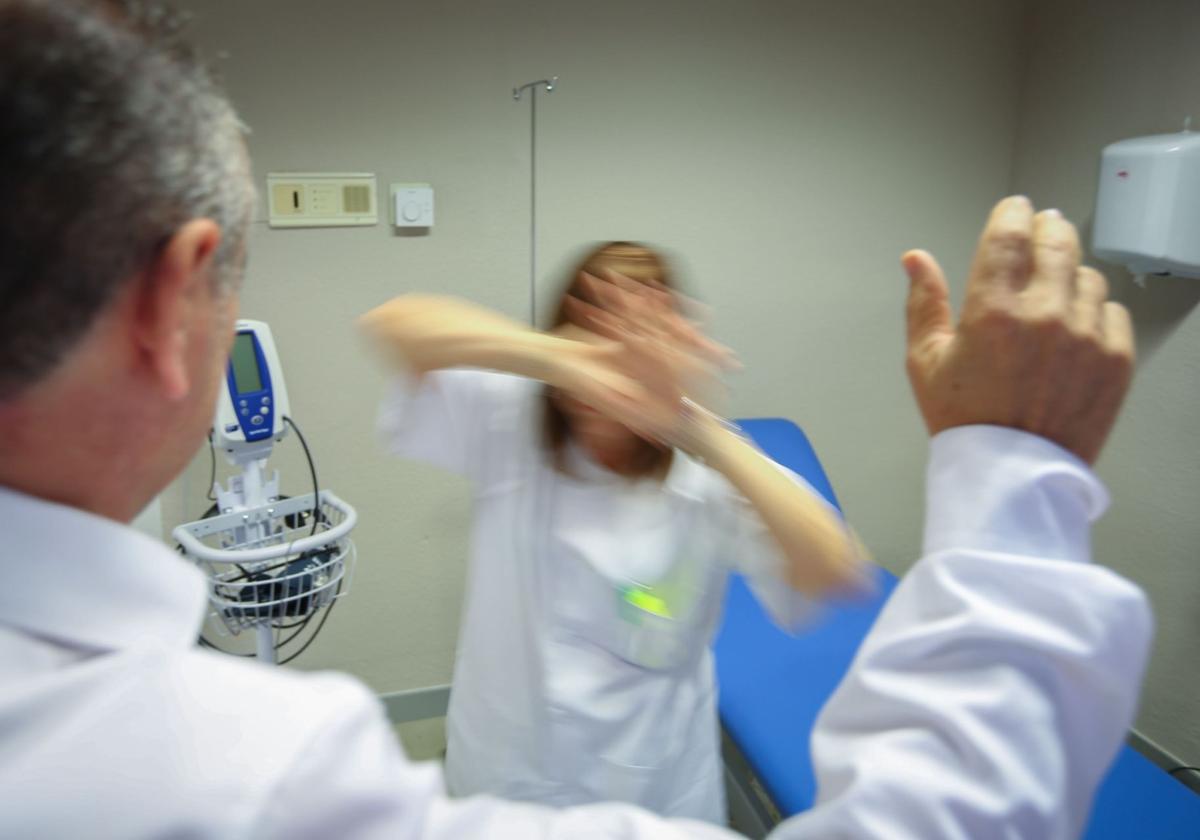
{"x":609,"y":508}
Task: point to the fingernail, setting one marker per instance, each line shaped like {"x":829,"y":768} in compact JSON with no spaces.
{"x":1053,"y":213}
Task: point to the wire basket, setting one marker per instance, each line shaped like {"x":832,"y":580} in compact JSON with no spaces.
{"x":275,"y":564}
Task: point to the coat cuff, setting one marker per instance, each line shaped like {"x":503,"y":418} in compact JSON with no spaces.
{"x":997,"y":489}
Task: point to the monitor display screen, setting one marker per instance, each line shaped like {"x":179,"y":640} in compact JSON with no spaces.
{"x":246,"y":376}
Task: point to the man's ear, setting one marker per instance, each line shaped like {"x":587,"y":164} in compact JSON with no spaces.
{"x":174,"y":291}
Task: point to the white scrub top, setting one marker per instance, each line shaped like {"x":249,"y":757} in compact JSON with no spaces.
{"x":584,"y":671}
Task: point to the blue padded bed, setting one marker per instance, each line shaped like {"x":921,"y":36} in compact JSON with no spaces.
{"x":772,"y":685}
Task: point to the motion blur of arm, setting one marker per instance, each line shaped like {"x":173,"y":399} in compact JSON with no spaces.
{"x":674,"y":362}
{"x":821,"y":551}
{"x":424,"y":333}
{"x":996,"y":687}
{"x":632,"y":356}
{"x":430,"y":332}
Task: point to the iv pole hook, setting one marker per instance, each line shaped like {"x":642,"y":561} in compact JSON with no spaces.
{"x":547,"y":83}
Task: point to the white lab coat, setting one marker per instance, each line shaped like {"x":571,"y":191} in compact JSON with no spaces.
{"x":564,"y":692}
{"x":987,"y":701}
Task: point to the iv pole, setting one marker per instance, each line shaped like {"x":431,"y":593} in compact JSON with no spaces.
{"x":532,"y":87}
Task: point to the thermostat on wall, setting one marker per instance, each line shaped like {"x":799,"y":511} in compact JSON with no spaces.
{"x":412,"y":205}
{"x":321,"y":199}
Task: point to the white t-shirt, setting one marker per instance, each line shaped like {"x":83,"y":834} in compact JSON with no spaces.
{"x":584,"y":672}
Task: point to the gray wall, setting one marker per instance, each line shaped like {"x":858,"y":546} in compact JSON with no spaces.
{"x":785,"y":153}
{"x":1101,"y":72}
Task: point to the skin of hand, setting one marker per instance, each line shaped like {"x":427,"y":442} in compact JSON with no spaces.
{"x":1038,"y":347}
{"x":637,"y":333}
{"x":623,"y":379}
{"x":668,"y":356}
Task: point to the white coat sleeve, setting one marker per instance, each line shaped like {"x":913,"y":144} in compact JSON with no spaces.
{"x":441,"y":418}
{"x":1002,"y":676}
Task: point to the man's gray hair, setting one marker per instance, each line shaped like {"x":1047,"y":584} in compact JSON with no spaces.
{"x":112,"y":136}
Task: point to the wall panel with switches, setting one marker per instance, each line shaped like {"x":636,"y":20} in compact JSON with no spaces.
{"x":322,"y":199}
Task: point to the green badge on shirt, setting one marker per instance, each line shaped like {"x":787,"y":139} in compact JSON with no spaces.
{"x":636,"y":599}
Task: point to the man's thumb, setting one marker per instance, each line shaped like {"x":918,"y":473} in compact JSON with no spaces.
{"x":928,"y":307}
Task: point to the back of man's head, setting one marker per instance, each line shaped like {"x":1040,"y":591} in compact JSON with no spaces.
{"x":112,"y":135}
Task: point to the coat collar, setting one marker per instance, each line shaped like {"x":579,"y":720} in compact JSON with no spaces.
{"x":84,"y":580}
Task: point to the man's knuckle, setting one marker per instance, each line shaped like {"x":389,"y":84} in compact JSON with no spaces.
{"x":1083,"y":333}
{"x":1047,"y":323}
{"x":1119,"y":360}
{"x":1092,"y":283}
{"x":1058,"y":245}
{"x":1011,"y":240}
{"x":1008,"y":254}
{"x":990,"y":316}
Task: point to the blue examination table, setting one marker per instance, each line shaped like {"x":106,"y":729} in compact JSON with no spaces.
{"x":772,"y":685}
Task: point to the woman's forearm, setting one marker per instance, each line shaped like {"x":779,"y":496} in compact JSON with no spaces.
{"x":430,"y":332}
{"x":822,"y":553}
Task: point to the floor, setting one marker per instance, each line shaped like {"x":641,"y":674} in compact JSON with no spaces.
{"x":423,"y":740}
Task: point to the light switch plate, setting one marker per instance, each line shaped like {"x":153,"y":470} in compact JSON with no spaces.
{"x":412,"y":205}
{"x":321,"y":199}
